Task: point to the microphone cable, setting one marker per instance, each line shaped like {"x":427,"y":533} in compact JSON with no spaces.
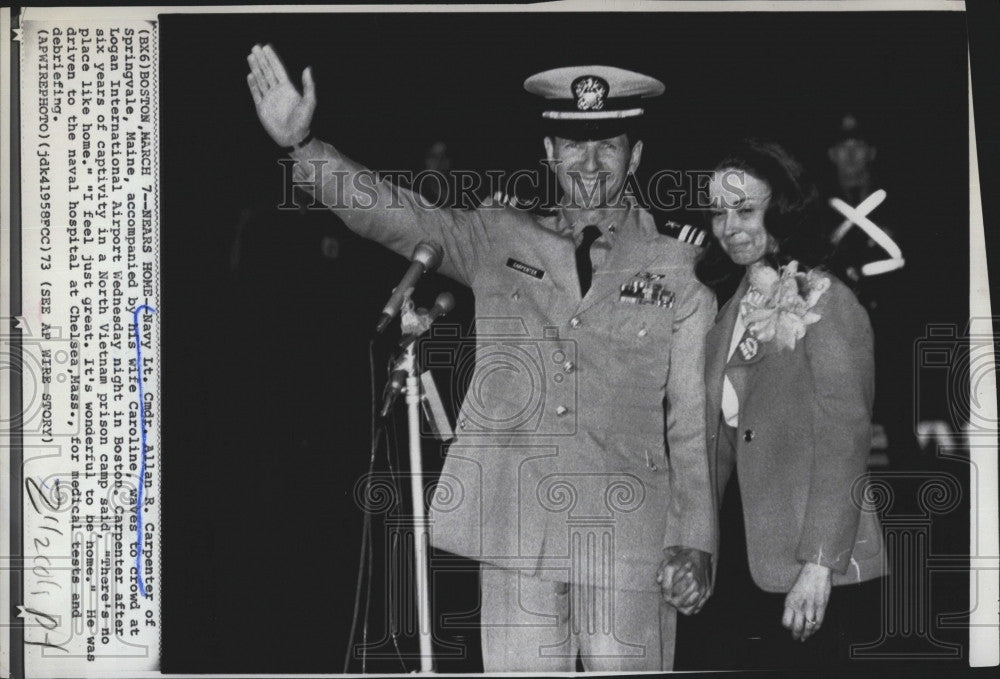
{"x":374,"y":435}
{"x":365,"y":566}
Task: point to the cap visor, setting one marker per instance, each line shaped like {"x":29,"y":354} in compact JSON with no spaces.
{"x":590,"y":130}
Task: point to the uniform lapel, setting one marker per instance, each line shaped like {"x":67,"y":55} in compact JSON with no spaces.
{"x":716,"y":348}
{"x":749,"y":352}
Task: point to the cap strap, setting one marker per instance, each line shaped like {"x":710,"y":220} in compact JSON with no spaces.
{"x":592,"y":115}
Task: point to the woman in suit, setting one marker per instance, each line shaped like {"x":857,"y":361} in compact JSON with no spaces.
{"x":789,"y":374}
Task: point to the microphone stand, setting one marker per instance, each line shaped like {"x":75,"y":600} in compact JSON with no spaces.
{"x":421,"y":540}
{"x":421,"y":537}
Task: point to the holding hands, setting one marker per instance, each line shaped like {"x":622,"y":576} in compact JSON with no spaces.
{"x":284,"y":113}
{"x":685,"y":577}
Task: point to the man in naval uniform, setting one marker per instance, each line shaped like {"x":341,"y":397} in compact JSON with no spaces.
{"x":579,"y":479}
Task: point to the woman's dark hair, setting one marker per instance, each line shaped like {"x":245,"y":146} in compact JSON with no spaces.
{"x":790,"y":217}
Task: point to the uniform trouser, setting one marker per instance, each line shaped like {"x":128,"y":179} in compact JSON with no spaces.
{"x":535,"y":625}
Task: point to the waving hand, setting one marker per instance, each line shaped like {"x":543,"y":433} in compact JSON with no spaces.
{"x":284,"y":113}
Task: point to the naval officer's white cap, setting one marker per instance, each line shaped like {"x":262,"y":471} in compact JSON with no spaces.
{"x":592,"y":101}
{"x":593,"y":92}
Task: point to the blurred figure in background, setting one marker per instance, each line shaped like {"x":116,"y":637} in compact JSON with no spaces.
{"x":852,"y":155}
{"x":864,"y":253}
{"x":869,"y":253}
{"x":438,"y":160}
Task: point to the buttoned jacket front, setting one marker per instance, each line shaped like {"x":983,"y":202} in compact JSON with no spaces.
{"x":561,"y":467}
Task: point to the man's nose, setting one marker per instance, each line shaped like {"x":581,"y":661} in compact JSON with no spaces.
{"x":590,"y":160}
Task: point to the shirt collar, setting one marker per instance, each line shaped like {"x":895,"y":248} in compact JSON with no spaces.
{"x":615,"y":222}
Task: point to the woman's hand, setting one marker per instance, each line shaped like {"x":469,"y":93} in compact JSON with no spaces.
{"x":805,"y":604}
{"x":284,"y":113}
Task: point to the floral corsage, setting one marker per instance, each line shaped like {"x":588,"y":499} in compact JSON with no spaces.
{"x":779,"y":304}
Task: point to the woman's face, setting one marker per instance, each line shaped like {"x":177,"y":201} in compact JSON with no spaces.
{"x":739,"y":201}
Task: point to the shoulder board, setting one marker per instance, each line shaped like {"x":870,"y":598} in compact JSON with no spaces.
{"x":686,"y":233}
{"x":518,"y":203}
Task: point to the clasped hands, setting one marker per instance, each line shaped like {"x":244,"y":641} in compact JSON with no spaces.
{"x":685,"y":583}
{"x":685,"y":577}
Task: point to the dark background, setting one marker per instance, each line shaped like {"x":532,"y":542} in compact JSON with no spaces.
{"x":265,"y":348}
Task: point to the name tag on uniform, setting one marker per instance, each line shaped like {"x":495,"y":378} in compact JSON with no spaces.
{"x":643,"y":289}
{"x":525,"y":268}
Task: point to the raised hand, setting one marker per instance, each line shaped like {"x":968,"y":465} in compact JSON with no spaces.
{"x":685,"y":577}
{"x":284,"y":113}
{"x":805,"y":604}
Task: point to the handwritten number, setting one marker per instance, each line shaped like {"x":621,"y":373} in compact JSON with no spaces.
{"x":32,"y":487}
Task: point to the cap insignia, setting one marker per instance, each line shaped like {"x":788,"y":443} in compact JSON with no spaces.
{"x":590,"y":92}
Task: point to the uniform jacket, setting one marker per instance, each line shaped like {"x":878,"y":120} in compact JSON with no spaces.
{"x":561,"y":467}
{"x":803,"y":441}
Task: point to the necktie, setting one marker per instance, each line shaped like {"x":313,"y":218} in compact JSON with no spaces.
{"x":584,"y":267}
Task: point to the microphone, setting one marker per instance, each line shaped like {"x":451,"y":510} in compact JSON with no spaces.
{"x":397,"y":380}
{"x":444,"y":303}
{"x":418,"y":323}
{"x":426,"y":257}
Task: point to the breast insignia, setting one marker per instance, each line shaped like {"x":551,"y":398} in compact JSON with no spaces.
{"x":643,"y":289}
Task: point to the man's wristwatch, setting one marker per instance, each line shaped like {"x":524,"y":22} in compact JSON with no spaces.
{"x":298,"y":145}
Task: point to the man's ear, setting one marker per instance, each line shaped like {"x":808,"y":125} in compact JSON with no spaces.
{"x":633,"y":163}
{"x":549,"y":148}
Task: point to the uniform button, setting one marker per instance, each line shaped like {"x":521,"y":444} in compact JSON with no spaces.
{"x":557,"y":378}
{"x":516,"y":296}
{"x":748,"y":435}
{"x":569,"y":366}
{"x":558,"y":357}
{"x":575,"y":322}
{"x":561,"y":410}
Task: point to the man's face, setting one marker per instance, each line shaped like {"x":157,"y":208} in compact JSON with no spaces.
{"x":852,"y":156}
{"x":592,"y":173}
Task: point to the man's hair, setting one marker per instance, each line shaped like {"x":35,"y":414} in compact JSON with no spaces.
{"x":790,"y":217}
